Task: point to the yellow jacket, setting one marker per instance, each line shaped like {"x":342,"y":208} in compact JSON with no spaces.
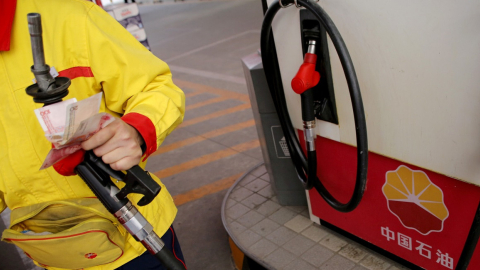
{"x":86,"y":44}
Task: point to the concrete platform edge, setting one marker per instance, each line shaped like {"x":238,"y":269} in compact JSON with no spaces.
{"x":224,"y":219}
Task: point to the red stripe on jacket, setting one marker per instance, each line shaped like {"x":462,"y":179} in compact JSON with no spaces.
{"x":76,"y":72}
{"x":7,"y":13}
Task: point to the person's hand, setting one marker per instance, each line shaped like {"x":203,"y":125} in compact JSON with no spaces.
{"x":118,"y":144}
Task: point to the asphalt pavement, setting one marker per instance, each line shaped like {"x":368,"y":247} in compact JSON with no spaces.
{"x":203,"y":43}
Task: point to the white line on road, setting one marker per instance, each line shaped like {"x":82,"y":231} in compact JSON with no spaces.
{"x":208,"y":74}
{"x":211,"y":45}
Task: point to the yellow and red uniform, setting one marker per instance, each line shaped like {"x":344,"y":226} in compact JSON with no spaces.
{"x":86,"y":44}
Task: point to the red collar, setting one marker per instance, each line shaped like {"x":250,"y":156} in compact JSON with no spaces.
{"x":7,"y":12}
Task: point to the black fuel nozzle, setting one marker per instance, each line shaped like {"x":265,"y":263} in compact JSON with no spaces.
{"x":136,"y":179}
{"x":47,"y":90}
{"x":97,"y":176}
{"x":139,"y":181}
{"x":305,"y":79}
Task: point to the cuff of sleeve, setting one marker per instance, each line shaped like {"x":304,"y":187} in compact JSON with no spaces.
{"x":66,"y":166}
{"x":146,"y":128}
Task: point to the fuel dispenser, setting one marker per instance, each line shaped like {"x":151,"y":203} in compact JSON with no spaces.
{"x":411,"y":194}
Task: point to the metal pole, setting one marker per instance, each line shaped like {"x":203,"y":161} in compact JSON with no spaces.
{"x":41,"y":70}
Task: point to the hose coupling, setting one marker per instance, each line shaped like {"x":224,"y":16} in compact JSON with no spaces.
{"x":309,"y":124}
{"x":309,"y":131}
{"x":134,"y":222}
{"x":153,"y":243}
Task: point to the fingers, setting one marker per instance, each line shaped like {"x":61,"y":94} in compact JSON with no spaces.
{"x":119,"y":136}
{"x":118,"y":144}
{"x":121,"y":158}
{"x":120,"y":162}
{"x":101,"y":137}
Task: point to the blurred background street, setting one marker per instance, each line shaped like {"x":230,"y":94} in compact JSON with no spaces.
{"x":203,"y":43}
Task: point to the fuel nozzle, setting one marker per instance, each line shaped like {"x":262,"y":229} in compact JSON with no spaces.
{"x":47,"y":90}
{"x":307,"y":77}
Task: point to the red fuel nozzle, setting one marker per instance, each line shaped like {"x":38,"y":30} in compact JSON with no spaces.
{"x":306,"y":77}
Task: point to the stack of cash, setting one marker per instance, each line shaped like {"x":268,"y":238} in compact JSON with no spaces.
{"x":68,"y":123}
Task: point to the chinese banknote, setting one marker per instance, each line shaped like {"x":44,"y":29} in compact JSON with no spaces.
{"x":68,"y":123}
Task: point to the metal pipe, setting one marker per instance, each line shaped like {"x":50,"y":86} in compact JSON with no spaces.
{"x":41,"y":70}
{"x":35,"y":29}
{"x":311,"y":46}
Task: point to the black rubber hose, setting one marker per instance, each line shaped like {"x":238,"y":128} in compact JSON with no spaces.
{"x":307,"y":105}
{"x":168,"y":260}
{"x":298,"y":158}
{"x":284,"y":121}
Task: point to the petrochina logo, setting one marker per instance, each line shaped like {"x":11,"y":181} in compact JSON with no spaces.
{"x":415,"y":200}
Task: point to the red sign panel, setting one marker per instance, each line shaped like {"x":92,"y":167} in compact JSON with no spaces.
{"x":419,"y":215}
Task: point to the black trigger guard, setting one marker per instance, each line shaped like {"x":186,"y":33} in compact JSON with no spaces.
{"x":136,"y":180}
{"x":139,"y":181}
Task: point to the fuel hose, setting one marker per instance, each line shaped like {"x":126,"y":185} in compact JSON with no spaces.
{"x":300,"y":162}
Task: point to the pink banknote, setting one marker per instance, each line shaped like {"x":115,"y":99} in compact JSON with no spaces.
{"x":79,"y":112}
{"x":68,"y":123}
{"x":52,"y":119}
{"x":86,"y":130}
{"x":56,"y":155}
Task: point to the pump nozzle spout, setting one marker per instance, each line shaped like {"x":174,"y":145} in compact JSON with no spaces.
{"x":47,"y":90}
{"x":311,"y":46}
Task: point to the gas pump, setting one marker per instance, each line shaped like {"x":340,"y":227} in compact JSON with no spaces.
{"x":420,"y":205}
{"x":303,"y":83}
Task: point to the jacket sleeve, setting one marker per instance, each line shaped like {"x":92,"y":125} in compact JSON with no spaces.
{"x":136,"y":83}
